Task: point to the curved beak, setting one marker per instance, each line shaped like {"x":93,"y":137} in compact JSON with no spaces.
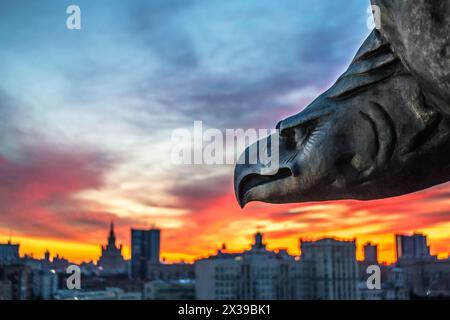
{"x":260,"y":179}
{"x":250,"y":185}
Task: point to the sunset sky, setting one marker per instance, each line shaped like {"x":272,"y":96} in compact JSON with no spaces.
{"x":86,"y":119}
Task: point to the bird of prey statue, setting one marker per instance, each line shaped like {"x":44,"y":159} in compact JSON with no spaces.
{"x":382,"y":130}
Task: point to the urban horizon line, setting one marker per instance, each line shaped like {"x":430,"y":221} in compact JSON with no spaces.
{"x":220,"y":247}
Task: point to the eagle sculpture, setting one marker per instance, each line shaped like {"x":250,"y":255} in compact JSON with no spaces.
{"x":382,"y":130}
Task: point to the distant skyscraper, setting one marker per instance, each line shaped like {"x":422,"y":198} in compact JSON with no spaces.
{"x":19,"y":276}
{"x":45,"y":283}
{"x":9,"y":252}
{"x":411,"y":247}
{"x":145,"y":249}
{"x":332,"y":266}
{"x":47,"y":256}
{"x":371,"y":253}
{"x":111,"y":261}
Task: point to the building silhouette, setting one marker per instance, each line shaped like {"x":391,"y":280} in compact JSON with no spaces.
{"x":411,"y":247}
{"x":45,"y":284}
{"x":16,"y":281}
{"x":170,"y":271}
{"x":255,"y":274}
{"x":370,"y":253}
{"x":111,"y":261}
{"x":9,"y":252}
{"x":330,"y":269}
{"x":425,"y":275}
{"x":145,"y":250}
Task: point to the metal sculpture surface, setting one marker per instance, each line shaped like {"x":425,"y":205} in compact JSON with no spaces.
{"x":382,"y":130}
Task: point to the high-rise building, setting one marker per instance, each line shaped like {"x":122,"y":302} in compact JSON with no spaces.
{"x":255,"y":274}
{"x":9,"y":252}
{"x":45,"y":284}
{"x":371,"y":253}
{"x":145,"y":249}
{"x":111,"y":261}
{"x":20,"y":278}
{"x":332,"y":268}
{"x":411,"y":247}
{"x":59,"y":263}
{"x":427,"y":278}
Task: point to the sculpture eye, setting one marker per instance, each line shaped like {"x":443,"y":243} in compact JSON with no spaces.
{"x":296,"y":137}
{"x":287,"y":137}
{"x":302,"y":134}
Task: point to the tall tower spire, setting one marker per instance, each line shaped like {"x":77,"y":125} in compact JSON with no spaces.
{"x":112,"y":236}
{"x":111,"y":261}
{"x":259,"y":244}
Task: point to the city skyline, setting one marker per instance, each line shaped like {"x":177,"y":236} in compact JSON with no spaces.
{"x":360,"y":253}
{"x":327,"y":269}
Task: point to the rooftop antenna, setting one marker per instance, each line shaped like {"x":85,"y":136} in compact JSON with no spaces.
{"x":10,"y":236}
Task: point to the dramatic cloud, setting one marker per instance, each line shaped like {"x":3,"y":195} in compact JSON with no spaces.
{"x":37,"y":188}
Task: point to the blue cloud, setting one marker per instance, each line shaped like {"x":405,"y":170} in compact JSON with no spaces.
{"x":139,"y":69}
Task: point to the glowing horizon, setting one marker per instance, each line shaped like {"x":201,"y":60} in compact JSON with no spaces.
{"x":277,"y":234}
